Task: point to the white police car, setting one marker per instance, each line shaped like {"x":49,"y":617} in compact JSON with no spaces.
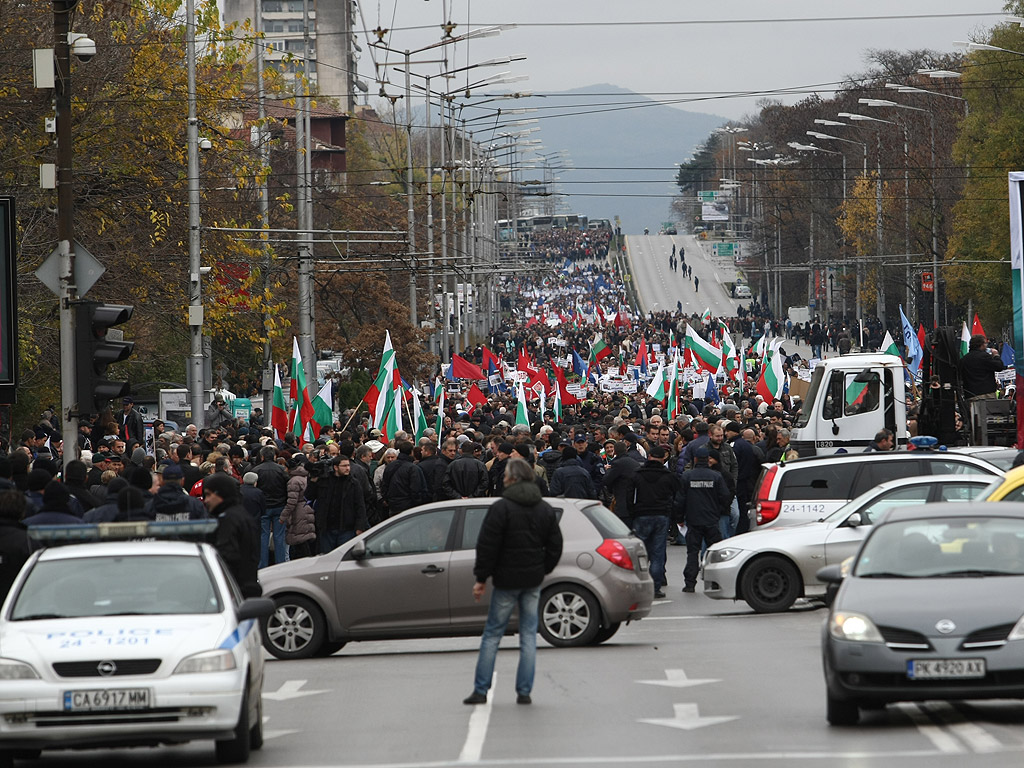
{"x":129,"y":643}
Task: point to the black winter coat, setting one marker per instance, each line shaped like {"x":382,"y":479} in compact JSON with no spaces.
{"x":520,"y":541}
{"x":170,"y":502}
{"x":237,"y":539}
{"x":619,"y":482}
{"x":704,"y":495}
{"x":403,"y":485}
{"x":466,"y":477}
{"x":339,"y":504}
{"x":433,"y":468}
{"x":572,"y":481}
{"x":655,"y":491}
{"x":273,"y":481}
{"x":14,"y":551}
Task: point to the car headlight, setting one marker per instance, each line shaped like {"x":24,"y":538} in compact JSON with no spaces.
{"x":722,"y":555}
{"x":207,"y":661}
{"x":12,"y":669}
{"x":844,"y":625}
{"x":1017,"y":633}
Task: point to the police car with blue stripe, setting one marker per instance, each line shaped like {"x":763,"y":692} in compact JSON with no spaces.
{"x":129,"y":640}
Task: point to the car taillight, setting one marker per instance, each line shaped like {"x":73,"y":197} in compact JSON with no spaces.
{"x":766,"y":509}
{"x":614,"y":552}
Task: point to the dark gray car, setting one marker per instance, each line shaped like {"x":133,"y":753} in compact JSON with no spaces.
{"x":931,"y":609}
{"x":412,"y":576}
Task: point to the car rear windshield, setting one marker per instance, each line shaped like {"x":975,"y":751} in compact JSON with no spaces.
{"x":821,"y":481}
{"x":608,"y":524}
{"x":116,"y":586}
{"x":946,"y":547}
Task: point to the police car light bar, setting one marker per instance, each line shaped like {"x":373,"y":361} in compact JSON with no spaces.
{"x":137,"y":529}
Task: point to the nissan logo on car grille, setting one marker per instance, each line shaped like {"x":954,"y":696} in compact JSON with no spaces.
{"x":106,"y":668}
{"x":945,"y":626}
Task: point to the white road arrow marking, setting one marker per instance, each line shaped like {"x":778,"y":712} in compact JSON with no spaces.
{"x":688,"y":718}
{"x":290,"y":689}
{"x":676,"y":678}
{"x":268,"y":735}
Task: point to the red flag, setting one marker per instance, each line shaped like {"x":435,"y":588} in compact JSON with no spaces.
{"x":476,"y":397}
{"x":488,"y":358}
{"x":463,"y":369}
{"x":920,"y":335}
{"x":523,"y":361}
{"x":641,"y":352}
{"x":976,"y":326}
{"x":538,"y":376}
{"x":567,"y":399}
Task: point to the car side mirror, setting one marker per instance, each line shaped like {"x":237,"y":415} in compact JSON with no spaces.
{"x":855,"y":520}
{"x":358,"y":550}
{"x":255,"y":608}
{"x":831,"y":574}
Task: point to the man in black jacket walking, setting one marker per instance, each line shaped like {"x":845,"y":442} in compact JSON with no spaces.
{"x":705,"y":496}
{"x":403,"y":485}
{"x":655,"y":493}
{"x":340,"y":511}
{"x":236,"y":537}
{"x":519,"y":543}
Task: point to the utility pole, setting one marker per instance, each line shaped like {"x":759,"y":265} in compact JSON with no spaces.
{"x":264,"y":150}
{"x":305,"y":283}
{"x":411,"y":213}
{"x":195,"y":285}
{"x":62,"y":10}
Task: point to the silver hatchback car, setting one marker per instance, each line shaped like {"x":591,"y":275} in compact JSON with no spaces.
{"x":411,"y":576}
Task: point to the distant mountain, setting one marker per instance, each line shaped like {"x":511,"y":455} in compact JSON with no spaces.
{"x":604,"y":127}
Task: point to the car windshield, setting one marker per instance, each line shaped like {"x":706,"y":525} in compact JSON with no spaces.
{"x":116,"y":586}
{"x":947,"y":547}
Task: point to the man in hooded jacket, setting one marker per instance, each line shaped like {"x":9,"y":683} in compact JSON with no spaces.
{"x":237,"y":538}
{"x":705,"y":496}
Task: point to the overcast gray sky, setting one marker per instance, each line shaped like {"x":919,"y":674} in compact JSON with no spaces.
{"x":657,"y":48}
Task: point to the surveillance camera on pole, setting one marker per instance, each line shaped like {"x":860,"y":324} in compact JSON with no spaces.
{"x":82,"y":46}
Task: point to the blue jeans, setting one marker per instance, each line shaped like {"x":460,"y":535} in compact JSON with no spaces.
{"x":653,"y":530}
{"x":271,"y":519}
{"x":330,"y":540}
{"x":498,"y":614}
{"x":727,"y":523}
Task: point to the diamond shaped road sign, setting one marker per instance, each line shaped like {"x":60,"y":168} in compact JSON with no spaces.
{"x":87,"y":270}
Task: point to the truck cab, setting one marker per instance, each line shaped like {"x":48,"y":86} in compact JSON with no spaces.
{"x":851,"y":398}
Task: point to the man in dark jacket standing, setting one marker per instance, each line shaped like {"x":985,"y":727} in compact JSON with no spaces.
{"x":15,"y":547}
{"x":273,"y":481}
{"x":571,"y":479}
{"x":655,"y":494}
{"x":170,"y":502}
{"x":618,"y":480}
{"x":236,"y":537}
{"x":978,"y":369}
{"x":466,"y":477}
{"x":433,"y":467}
{"x":340,"y":511}
{"x":403,"y":486}
{"x":519,"y":543}
{"x":705,"y":496}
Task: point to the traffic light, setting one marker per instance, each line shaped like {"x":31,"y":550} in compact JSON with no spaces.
{"x":94,"y":352}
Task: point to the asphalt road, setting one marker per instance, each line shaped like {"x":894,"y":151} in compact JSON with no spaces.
{"x":699,"y":681}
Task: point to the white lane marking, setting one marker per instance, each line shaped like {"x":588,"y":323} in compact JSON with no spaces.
{"x":944,"y":742}
{"x":687,"y":718}
{"x":676,"y":678}
{"x":972,"y":734}
{"x":290,"y":689}
{"x":473,"y":747}
{"x":268,"y":735}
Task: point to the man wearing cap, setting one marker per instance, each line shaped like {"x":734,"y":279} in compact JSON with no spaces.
{"x":170,"y":502}
{"x":130,"y":421}
{"x":705,"y":497}
{"x":236,"y":538}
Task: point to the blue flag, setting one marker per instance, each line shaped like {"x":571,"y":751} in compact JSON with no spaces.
{"x":1009,"y":359}
{"x":914,"y":352}
{"x":448,"y":372}
{"x":579,"y":365}
{"x":711,"y":391}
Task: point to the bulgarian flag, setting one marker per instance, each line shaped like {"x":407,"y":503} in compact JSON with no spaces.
{"x":889,"y":346}
{"x":705,"y":317}
{"x":522,"y":415}
{"x":419,"y":419}
{"x":323,"y":410}
{"x":656,"y":388}
{"x":278,"y":411}
{"x":761,"y":348}
{"x":729,"y":357}
{"x":706,"y":354}
{"x":598,"y":351}
{"x":965,"y":340}
{"x":439,"y":385}
{"x":769,"y":386}
{"x":556,"y":405}
{"x":381,"y":395}
{"x":673,"y":389}
{"x":302,"y":407}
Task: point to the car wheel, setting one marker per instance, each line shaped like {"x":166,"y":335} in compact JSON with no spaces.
{"x":236,"y":749}
{"x":771,"y":584}
{"x":569,"y":616}
{"x":296,"y":629}
{"x":256,"y":732}
{"x":841,"y":711}
{"x":605,"y":633}
{"x":330,"y":647}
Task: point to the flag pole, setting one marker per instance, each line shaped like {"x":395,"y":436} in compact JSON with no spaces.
{"x":353,"y":415}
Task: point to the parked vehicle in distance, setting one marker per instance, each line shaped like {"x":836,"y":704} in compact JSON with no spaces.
{"x":930,"y":609}
{"x":773,"y":567}
{"x":411,"y":576}
{"x":805,"y":490}
{"x":741,"y":292}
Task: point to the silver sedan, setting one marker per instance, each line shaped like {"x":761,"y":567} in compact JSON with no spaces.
{"x":771,"y":568}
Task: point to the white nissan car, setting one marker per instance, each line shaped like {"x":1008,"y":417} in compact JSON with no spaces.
{"x":129,"y":643}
